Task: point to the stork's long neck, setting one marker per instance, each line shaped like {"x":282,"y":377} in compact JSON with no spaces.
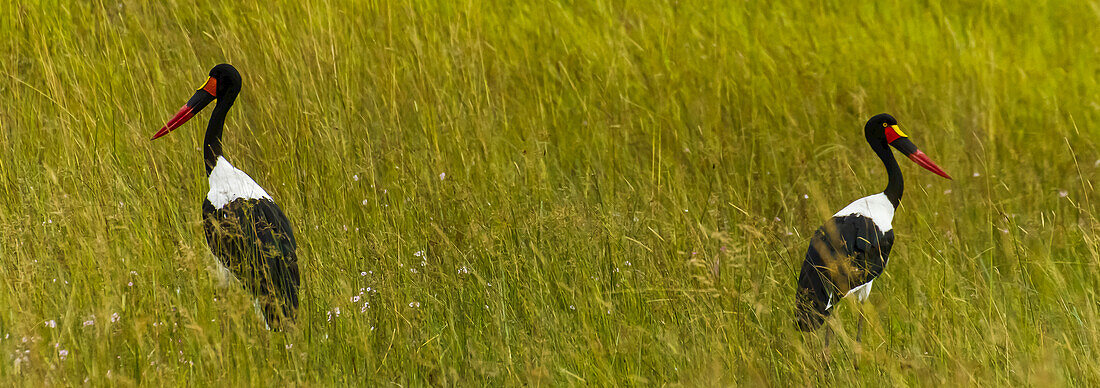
{"x":212,"y":145}
{"x":896,"y":184}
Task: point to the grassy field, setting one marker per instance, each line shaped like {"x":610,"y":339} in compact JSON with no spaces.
{"x":551,"y":193}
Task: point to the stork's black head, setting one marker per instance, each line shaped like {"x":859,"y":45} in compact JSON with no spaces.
{"x":876,"y":127}
{"x":224,"y":82}
{"x":883,"y":128}
{"x":225,"y":78}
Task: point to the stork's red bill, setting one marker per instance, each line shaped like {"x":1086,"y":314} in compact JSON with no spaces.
{"x":207,"y":93}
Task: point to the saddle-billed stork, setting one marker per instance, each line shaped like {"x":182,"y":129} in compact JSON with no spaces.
{"x":851,"y":249}
{"x":245,"y":229}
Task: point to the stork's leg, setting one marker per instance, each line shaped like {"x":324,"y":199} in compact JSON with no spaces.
{"x":862,"y":298}
{"x":221,"y":275}
{"x":859,"y":327}
{"x":825,"y":359}
{"x":260,"y":313}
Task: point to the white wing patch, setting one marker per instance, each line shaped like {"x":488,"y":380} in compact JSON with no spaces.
{"x":862,"y":292}
{"x":227,"y":183}
{"x":876,"y":207}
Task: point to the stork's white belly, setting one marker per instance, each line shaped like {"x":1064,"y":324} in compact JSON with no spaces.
{"x":227,"y":183}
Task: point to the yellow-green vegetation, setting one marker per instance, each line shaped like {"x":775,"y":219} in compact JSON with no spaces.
{"x":551,"y":193}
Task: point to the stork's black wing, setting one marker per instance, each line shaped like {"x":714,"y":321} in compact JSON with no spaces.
{"x":254,"y":240}
{"x":844,"y":253}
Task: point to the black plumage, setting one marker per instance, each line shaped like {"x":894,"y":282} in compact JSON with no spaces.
{"x":845,"y":253}
{"x":254,"y":240}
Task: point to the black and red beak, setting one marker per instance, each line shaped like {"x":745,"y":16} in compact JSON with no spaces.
{"x":896,"y":138}
{"x":207,"y":93}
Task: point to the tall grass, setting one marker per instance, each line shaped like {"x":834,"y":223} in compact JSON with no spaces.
{"x":551,"y":193}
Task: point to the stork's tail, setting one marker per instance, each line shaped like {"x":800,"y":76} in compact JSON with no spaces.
{"x":809,"y":315}
{"x":279,"y":296}
{"x":278,"y":313}
{"x":810,"y":304}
